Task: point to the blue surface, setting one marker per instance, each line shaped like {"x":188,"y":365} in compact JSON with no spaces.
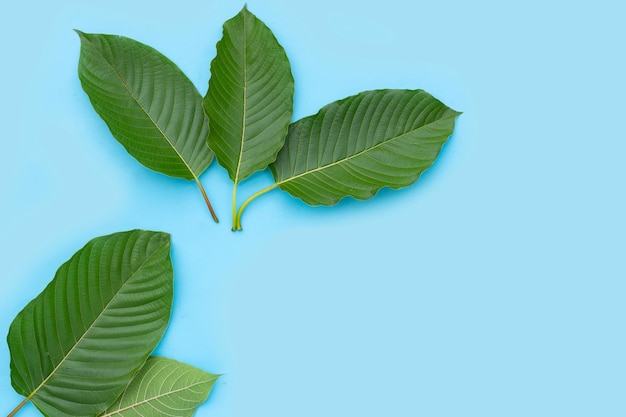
{"x":493,"y":287}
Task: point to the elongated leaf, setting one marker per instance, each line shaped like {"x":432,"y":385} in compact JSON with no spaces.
{"x":250,"y":97}
{"x":77,"y":345}
{"x":358,"y":145}
{"x":164,"y":387}
{"x":149,"y":105}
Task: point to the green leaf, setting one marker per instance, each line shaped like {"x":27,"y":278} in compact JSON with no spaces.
{"x":77,"y":345}
{"x":163,"y":387}
{"x":250,"y":98}
{"x":356,"y":146}
{"x":149,"y":105}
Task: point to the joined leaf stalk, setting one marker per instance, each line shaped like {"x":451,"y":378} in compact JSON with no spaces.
{"x":237,"y":218}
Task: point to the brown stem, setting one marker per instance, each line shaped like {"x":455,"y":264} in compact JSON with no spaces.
{"x":19,"y":407}
{"x":206,"y":199}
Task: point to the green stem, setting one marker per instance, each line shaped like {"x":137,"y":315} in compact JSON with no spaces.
{"x":234,"y":207}
{"x":19,"y":407}
{"x":206,"y":199}
{"x":237,"y":225}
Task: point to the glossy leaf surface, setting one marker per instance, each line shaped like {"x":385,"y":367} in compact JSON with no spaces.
{"x":164,"y":387}
{"x":250,"y":97}
{"x":356,"y":146}
{"x":77,"y":345}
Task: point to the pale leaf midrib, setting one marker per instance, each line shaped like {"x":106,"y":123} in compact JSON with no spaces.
{"x":245,"y":101}
{"x":136,"y":99}
{"x":156,"y":397}
{"x":364,"y":151}
{"x":77,"y":343}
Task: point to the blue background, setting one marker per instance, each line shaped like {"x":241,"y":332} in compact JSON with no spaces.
{"x":493,"y":287}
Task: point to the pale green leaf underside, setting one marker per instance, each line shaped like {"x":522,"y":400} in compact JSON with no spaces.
{"x":164,"y":387}
{"x":76,"y":346}
{"x":149,"y":105}
{"x":250,"y":97}
{"x":356,"y":146}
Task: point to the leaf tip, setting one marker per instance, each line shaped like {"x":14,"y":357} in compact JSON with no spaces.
{"x":163,"y":237}
{"x":83,"y":36}
{"x":245,"y":11}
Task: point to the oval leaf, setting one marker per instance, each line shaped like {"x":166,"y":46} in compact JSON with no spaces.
{"x":163,"y":387}
{"x":150,"y":106}
{"x":77,"y":345}
{"x":358,"y":145}
{"x":250,"y":97}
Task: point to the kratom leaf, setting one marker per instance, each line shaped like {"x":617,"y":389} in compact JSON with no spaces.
{"x":356,"y":146}
{"x":149,"y":105}
{"x":250,"y":98}
{"x":77,"y":345}
{"x":163,"y":387}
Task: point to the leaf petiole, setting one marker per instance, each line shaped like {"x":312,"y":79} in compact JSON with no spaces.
{"x":237,"y":225}
{"x":206,"y":199}
{"x":19,"y":407}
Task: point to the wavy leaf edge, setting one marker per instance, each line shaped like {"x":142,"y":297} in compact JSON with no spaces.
{"x":453,"y":114}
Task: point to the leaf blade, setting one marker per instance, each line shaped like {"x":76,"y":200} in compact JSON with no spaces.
{"x":249,"y":101}
{"x":358,"y":145}
{"x":75,"y":346}
{"x":163,"y":387}
{"x":147,"y":102}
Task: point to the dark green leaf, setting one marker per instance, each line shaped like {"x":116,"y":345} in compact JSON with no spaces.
{"x":358,"y":145}
{"x":150,"y":106}
{"x":77,"y":345}
{"x":250,"y":97}
{"x":164,"y":387}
